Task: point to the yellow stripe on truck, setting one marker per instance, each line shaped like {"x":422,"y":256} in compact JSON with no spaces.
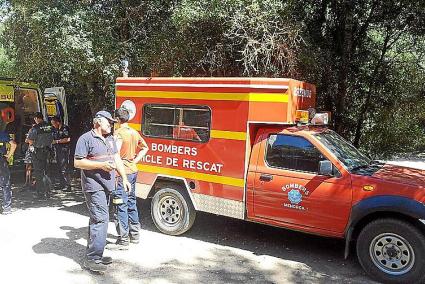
{"x":233,"y":135}
{"x":192,"y":175}
{"x":251,"y":97}
{"x":217,"y":134}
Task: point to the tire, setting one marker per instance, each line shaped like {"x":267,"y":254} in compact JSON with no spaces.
{"x":392,"y":251}
{"x":172,"y":211}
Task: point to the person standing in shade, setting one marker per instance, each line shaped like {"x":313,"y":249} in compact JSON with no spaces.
{"x":40,"y":137}
{"x":61,"y":143}
{"x":97,"y":156}
{"x":28,"y":161}
{"x":132,"y":148}
{"x":5,"y":156}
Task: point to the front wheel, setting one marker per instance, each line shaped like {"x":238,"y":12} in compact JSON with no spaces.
{"x":392,"y":251}
{"x":172,"y":211}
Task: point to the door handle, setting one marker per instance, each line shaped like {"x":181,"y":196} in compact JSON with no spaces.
{"x":266,"y":177}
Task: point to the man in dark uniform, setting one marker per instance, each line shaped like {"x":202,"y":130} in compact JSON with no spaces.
{"x":40,"y":137}
{"x":5,"y":156}
{"x":97,"y":156}
{"x":61,"y":142}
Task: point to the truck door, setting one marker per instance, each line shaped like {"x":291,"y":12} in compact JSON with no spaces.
{"x":17,"y":110}
{"x":55,"y":103}
{"x":288,"y":189}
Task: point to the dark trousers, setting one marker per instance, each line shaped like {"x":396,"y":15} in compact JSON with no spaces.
{"x":126,"y":217}
{"x":42,"y":181}
{"x":62,"y":159}
{"x":5,"y":184}
{"x":98,"y":224}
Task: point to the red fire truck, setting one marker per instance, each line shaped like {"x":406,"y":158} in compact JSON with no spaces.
{"x":236,"y":147}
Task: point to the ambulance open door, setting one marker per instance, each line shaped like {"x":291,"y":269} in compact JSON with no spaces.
{"x":55,"y":103}
{"x":7,"y":112}
{"x":18,"y":102}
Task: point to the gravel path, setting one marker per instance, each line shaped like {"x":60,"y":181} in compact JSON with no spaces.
{"x":44,"y":242}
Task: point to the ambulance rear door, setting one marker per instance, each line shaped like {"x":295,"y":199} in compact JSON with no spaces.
{"x":55,"y":103}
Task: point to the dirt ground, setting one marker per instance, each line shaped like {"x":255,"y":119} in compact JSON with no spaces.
{"x":44,"y":242}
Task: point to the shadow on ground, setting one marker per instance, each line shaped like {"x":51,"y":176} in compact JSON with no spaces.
{"x":26,"y":199}
{"x":220,"y":266}
{"x":320,"y":259}
{"x":323,"y":255}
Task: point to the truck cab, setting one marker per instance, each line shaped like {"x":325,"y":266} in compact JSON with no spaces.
{"x":310,"y":179}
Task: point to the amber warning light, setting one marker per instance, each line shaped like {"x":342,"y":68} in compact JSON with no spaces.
{"x":311,"y":117}
{"x":302,"y":116}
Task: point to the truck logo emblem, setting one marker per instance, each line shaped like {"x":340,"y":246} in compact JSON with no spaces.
{"x":296,"y":192}
{"x":295,"y":196}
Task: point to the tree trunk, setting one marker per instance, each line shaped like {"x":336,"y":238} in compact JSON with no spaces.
{"x":345,"y":44}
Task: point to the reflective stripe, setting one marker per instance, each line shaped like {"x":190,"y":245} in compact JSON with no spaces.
{"x":232,"y":135}
{"x":249,"y":97}
{"x":422,"y":220}
{"x":192,"y":175}
{"x":117,"y":201}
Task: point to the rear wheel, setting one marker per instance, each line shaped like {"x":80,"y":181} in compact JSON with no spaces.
{"x":392,"y":251}
{"x":172,"y":211}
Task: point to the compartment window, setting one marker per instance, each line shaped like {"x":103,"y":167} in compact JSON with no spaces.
{"x":189,"y":123}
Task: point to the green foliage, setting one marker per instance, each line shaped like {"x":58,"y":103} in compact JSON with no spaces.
{"x":367,"y":58}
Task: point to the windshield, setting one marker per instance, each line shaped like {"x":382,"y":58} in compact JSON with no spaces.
{"x":344,"y":151}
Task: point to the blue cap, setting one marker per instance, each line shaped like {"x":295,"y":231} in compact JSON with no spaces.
{"x":106,"y":115}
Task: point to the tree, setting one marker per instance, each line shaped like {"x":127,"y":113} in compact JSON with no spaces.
{"x":366,"y":58}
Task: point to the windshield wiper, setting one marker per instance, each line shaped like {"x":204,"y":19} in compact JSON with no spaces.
{"x":359,"y":167}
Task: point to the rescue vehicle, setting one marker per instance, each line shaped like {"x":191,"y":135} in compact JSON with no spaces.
{"x":19,"y":101}
{"x":237,"y":147}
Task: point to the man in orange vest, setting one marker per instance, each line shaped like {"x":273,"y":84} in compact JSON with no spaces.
{"x":128,"y":141}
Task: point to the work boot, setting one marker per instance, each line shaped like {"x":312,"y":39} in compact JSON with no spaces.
{"x":7,"y":211}
{"x":94,"y":265}
{"x":134,"y":240}
{"x":119,"y":245}
{"x":106,"y":260}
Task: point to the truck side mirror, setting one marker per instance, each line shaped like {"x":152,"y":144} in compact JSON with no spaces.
{"x":325,"y":168}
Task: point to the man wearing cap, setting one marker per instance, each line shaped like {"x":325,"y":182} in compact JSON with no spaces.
{"x":40,"y":137}
{"x":97,"y":156}
{"x":61,"y":142}
{"x":126,"y":215}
